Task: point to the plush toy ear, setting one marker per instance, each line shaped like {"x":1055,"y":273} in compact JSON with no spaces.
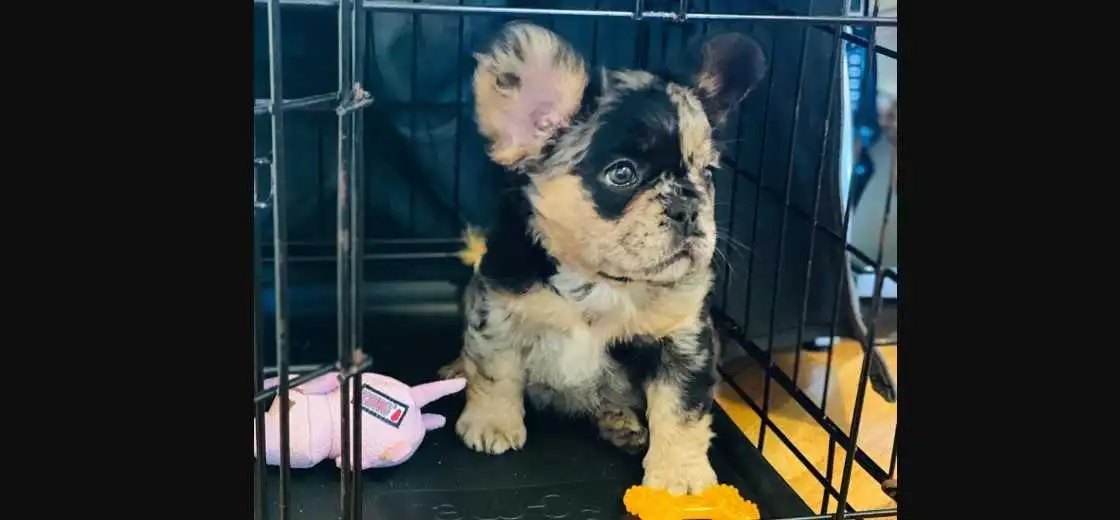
{"x":722,"y":68}
{"x":428,"y":392}
{"x":324,"y":384}
{"x":527,"y":84}
{"x":274,"y":381}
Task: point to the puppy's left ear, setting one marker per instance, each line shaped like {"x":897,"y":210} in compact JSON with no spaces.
{"x":527,"y":85}
{"x":722,"y":69}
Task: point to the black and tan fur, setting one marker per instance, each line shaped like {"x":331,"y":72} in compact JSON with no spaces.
{"x":589,"y":295}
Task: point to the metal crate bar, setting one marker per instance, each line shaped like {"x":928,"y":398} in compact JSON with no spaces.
{"x":344,"y":276}
{"x":871,"y":513}
{"x":768,"y":422}
{"x":449,"y":242}
{"x":413,"y":80}
{"x":280,"y":253}
{"x":677,"y":16}
{"x":863,"y":257}
{"x":876,"y":307}
{"x":894,"y":455}
{"x":829,"y":467}
{"x":799,"y":91}
{"x":351,"y":108}
{"x":351,"y":358}
{"x":258,"y":373}
{"x":824,"y":23}
{"x":304,"y":3}
{"x":403,"y":7}
{"x":835,"y":434}
{"x":460,"y":107}
{"x":264,"y":395}
{"x":266,"y":106}
{"x":729,"y":237}
{"x":880,"y":377}
{"x":833,"y":89}
{"x":757,"y":204}
{"x":839,"y":29}
{"x":732,"y":163}
{"x":781,"y":378}
{"x":375,"y":257}
{"x":846,"y":166}
{"x":299,"y":369}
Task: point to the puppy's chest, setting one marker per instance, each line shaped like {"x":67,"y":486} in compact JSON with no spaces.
{"x":597,"y":305}
{"x":575,"y":322}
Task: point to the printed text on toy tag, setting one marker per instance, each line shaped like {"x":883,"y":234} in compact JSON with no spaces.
{"x":388,"y":410}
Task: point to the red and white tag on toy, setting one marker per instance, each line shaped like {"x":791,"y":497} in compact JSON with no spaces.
{"x":388,"y":410}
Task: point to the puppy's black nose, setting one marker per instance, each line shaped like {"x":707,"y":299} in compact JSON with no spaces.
{"x":685,"y":219}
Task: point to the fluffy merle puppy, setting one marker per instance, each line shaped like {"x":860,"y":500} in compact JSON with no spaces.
{"x":589,"y":295}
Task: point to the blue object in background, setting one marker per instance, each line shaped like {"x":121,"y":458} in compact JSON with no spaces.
{"x":865,"y":115}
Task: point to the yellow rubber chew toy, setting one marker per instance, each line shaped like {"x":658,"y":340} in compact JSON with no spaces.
{"x":720,"y":502}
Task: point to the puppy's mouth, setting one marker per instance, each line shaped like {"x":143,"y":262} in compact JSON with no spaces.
{"x":683,"y":253}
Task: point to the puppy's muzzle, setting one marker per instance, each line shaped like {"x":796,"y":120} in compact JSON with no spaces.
{"x":684,"y":217}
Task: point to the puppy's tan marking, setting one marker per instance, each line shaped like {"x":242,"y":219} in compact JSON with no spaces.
{"x":696,"y":132}
{"x":625,"y":80}
{"x":574,"y":233}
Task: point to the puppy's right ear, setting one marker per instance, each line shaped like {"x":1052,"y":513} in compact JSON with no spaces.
{"x":527,"y":84}
{"x":722,"y":68}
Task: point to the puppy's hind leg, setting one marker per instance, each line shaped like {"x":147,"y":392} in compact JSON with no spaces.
{"x":616,"y":412}
{"x":622,"y":427}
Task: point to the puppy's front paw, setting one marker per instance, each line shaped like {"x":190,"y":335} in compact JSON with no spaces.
{"x":491,"y":428}
{"x":453,"y":369}
{"x":691,"y":477}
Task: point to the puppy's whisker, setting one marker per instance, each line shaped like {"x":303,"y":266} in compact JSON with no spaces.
{"x":721,"y":256}
{"x":744,"y":252}
{"x":732,"y":240}
{"x":739,"y":255}
{"x":725,"y":233}
{"x":735,"y":245}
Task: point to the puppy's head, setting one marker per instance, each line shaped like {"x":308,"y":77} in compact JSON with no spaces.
{"x":619,"y":163}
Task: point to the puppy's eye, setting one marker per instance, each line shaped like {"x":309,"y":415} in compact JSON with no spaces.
{"x":621,"y":174}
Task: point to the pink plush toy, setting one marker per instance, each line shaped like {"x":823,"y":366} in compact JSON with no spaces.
{"x":392,"y":425}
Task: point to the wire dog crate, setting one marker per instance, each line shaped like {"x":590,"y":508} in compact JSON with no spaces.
{"x":375,"y":168}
